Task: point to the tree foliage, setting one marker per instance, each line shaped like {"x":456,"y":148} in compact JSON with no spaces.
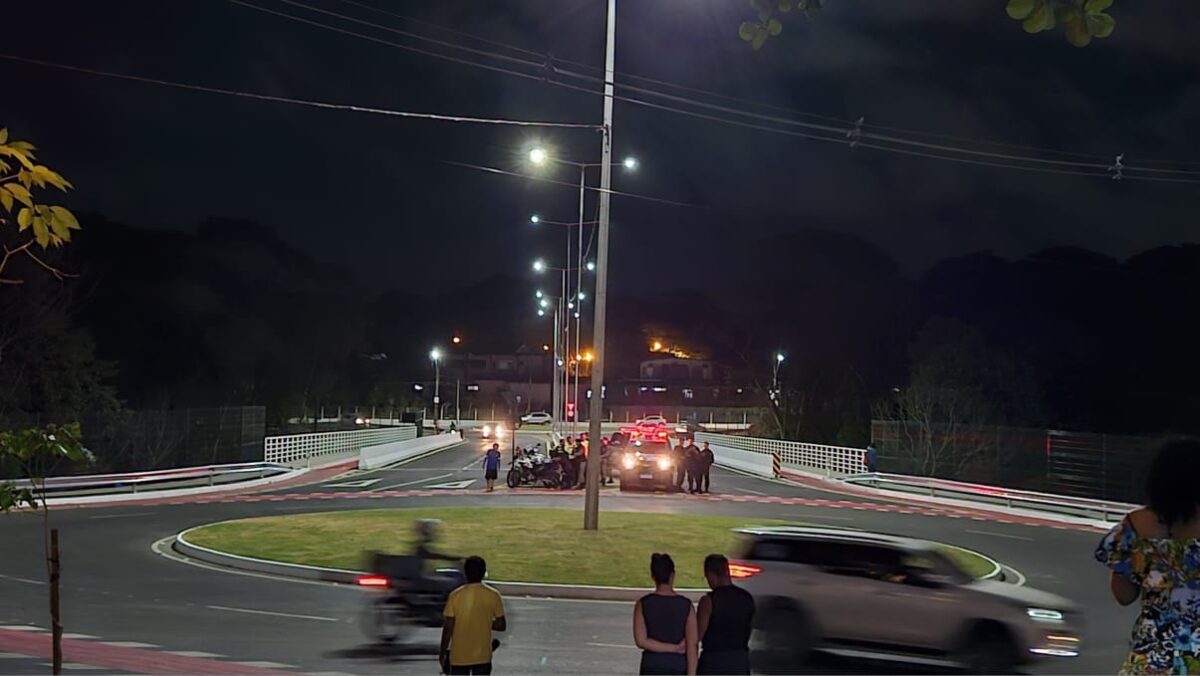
{"x":1082,"y":20}
{"x":34,"y":452}
{"x":38,"y":226}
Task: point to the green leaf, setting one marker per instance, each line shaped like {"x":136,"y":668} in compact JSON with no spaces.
{"x":64,"y":215}
{"x":760,"y":38}
{"x":41,"y":232}
{"x":1042,"y":19}
{"x":24,"y":218}
{"x":1091,"y":6}
{"x":1100,"y":25}
{"x":3,"y":136}
{"x":20,"y":192}
{"x":785,"y":5}
{"x":774,"y":27}
{"x":1019,"y":9}
{"x":6,"y":200}
{"x":1077,"y":33}
{"x":746,"y":31}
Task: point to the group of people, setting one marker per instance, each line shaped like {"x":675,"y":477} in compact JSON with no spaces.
{"x":676,"y":637}
{"x":692,"y":465}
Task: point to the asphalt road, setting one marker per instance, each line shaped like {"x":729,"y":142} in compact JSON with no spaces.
{"x":116,"y":587}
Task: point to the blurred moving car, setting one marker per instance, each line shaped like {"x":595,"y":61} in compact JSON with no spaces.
{"x":536,"y":418}
{"x":687,"y":427}
{"x":646,"y":467}
{"x":868,"y":595}
{"x":492,"y":431}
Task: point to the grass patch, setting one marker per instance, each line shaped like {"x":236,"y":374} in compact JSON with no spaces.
{"x":520,"y":544}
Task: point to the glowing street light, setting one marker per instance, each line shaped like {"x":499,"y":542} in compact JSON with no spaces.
{"x":457,"y":340}
{"x":535,"y":219}
{"x":779,"y":357}
{"x":544,"y":303}
{"x":630,"y":163}
{"x":538,"y":293}
{"x":591,"y":266}
{"x":539,"y":265}
{"x":582,"y":295}
{"x":538,"y":156}
{"x":436,"y":356}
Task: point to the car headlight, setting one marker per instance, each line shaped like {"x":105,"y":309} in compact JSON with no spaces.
{"x":499,"y":432}
{"x":487,"y":430}
{"x":629,"y":461}
{"x":664,"y":463}
{"x":1044,"y":615}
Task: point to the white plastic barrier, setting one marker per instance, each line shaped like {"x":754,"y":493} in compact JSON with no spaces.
{"x":370,"y":457}
{"x":754,"y":463}
{"x":304,"y":447}
{"x":829,"y":460}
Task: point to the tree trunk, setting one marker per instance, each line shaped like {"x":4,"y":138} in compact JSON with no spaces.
{"x":55,"y":619}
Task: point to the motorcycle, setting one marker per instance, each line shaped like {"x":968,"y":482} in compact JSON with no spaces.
{"x":534,"y":469}
{"x":403,"y":598}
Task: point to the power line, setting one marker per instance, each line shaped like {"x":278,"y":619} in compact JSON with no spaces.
{"x":551,"y":61}
{"x":294,"y":101}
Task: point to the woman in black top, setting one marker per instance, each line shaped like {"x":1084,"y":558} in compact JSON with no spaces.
{"x":664,"y":624}
{"x":725,"y":619}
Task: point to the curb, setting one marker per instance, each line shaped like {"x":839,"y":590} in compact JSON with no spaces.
{"x":348,"y":577}
{"x":997,"y":570}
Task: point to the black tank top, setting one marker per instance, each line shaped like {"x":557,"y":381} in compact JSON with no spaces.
{"x":666,"y":617}
{"x":731,"y":620}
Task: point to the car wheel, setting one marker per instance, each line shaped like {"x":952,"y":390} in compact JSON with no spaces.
{"x":989,"y":650}
{"x":783,"y":641}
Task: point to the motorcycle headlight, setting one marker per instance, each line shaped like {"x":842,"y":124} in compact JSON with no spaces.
{"x":664,"y":463}
{"x":499,"y":432}
{"x":1048,"y":615}
{"x":487,"y":430}
{"x":629,"y":461}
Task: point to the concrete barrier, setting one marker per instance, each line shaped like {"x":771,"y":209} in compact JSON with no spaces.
{"x":371,"y":457}
{"x":758,"y":464}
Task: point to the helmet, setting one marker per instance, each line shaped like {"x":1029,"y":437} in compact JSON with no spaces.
{"x":427,"y":528}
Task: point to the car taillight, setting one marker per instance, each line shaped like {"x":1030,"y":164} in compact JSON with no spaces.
{"x":371,"y":581}
{"x":741,"y":571}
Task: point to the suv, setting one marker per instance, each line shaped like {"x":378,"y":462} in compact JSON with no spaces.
{"x":878,"y":596}
{"x":538,"y":418}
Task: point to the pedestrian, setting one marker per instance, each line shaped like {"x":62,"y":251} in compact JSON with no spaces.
{"x":724,"y":620}
{"x":706,"y":462}
{"x":491,"y":467}
{"x":473,"y":612}
{"x":691,"y":460}
{"x":1154,"y":554}
{"x":678,"y":458}
{"x":664,"y":624}
{"x":581,"y":462}
{"x":869,"y":458}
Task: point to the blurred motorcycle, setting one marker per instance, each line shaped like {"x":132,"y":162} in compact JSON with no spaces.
{"x":403,"y":598}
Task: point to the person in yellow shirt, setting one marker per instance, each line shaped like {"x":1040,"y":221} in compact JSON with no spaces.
{"x":472,"y":613}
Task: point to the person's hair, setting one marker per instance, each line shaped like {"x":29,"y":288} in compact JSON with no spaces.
{"x":474,"y":568}
{"x":495,"y":445}
{"x":662,"y":567}
{"x":717,"y":564}
{"x":1172,"y":491}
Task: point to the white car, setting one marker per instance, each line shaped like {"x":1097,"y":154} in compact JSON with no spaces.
{"x":878,"y":596}
{"x":536,"y":418}
{"x":652,"y":420}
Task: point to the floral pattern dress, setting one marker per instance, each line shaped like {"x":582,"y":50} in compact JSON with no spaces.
{"x":1166,"y":635}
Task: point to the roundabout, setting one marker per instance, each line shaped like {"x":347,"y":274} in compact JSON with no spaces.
{"x":118,"y":590}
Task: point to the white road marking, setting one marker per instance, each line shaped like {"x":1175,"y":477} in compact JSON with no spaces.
{"x":274,"y":614}
{"x":20,"y":627}
{"x":13,"y":656}
{"x":80,"y":636}
{"x":120,"y":516}
{"x":192,"y":653}
{"x":354,"y":484}
{"x":414,"y":482}
{"x":129,"y":644}
{"x":20,"y":579}
{"x":78,"y":666}
{"x":747,"y":490}
{"x":999,"y":535}
{"x":819,"y":517}
{"x":612,"y":645}
{"x":266,"y":665}
{"x":454,"y":485}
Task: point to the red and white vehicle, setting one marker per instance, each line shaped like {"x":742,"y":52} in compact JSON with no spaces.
{"x":651,"y":429}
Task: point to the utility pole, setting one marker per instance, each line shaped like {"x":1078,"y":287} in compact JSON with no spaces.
{"x":591,"y":502}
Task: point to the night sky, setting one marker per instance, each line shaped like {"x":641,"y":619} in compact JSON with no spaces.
{"x":369,"y":192}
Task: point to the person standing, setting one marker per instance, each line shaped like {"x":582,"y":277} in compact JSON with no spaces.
{"x":1154,"y":555}
{"x":664,"y":624}
{"x":473,"y":612}
{"x":706,"y":462}
{"x":691,"y":456}
{"x":725,"y":619}
{"x":491,"y":467}
{"x":679,"y":459}
{"x":869,"y":458}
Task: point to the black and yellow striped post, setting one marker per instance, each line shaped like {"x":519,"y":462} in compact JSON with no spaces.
{"x":775,"y":464}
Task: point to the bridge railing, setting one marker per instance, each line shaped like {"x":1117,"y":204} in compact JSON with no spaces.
{"x":304,"y":448}
{"x":179,"y":477}
{"x":822,"y":458}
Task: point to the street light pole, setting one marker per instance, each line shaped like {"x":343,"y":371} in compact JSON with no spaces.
{"x":578,"y":297}
{"x":591,"y":503}
{"x":437,"y":382}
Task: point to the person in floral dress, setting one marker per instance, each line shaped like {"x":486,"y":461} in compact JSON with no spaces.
{"x":1154,"y":554}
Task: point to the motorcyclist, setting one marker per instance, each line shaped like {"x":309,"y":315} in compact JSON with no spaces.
{"x":427,"y":532}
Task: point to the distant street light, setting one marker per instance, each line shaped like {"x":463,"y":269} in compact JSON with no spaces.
{"x":535,"y":219}
{"x":539,"y":265}
{"x":435,"y":355}
{"x":630,"y":163}
{"x":538,"y":156}
{"x":538,"y":293}
{"x":457,"y":340}
{"x":591,"y":266}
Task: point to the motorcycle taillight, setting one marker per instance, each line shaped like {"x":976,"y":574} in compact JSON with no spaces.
{"x":372,"y":581}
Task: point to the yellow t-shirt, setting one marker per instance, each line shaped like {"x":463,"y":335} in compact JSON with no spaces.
{"x":473,"y":607}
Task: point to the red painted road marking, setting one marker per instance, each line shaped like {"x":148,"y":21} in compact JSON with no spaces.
{"x":137,"y":660}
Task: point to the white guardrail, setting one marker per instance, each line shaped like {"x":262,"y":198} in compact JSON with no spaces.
{"x":304,"y":448}
{"x":180,"y":477}
{"x":846,"y":465}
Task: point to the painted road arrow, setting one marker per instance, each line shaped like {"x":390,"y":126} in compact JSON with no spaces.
{"x":454,"y":485}
{"x":354,"y":484}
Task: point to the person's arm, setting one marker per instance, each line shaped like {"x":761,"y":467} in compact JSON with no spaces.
{"x":703,"y":615}
{"x":643,"y":641}
{"x":691,"y":637}
{"x":444,"y":652}
{"x":499,"y":623}
{"x":1123,"y":589}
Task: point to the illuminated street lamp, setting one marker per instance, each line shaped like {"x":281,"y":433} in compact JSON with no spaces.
{"x":435,"y":355}
{"x":774,"y":394}
{"x":535,"y":219}
{"x":591,"y":266}
{"x":538,"y":156}
{"x":630,"y":163}
{"x":539,"y":265}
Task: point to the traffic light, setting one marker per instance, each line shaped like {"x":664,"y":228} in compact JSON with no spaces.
{"x":570,"y":410}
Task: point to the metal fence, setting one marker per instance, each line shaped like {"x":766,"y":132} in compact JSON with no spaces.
{"x":1101,"y":466}
{"x":829,"y":460}
{"x":164,"y":438}
{"x":305,"y":447}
